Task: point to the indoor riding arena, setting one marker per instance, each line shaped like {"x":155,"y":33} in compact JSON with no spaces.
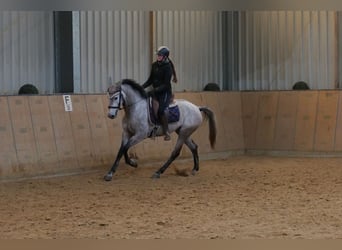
{"x":275,"y":172}
{"x":272,"y":78}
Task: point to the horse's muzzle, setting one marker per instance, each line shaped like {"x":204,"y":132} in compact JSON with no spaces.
{"x":112,"y":113}
{"x":111,"y":116}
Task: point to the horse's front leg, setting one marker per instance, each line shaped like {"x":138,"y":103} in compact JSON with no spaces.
{"x":130,"y":161}
{"x":122,"y":150}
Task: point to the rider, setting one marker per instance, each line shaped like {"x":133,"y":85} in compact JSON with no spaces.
{"x":160,"y":78}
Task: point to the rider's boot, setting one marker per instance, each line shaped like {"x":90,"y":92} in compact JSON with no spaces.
{"x":165,"y":126}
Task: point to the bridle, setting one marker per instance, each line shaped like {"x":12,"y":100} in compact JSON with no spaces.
{"x":120,"y":97}
{"x":120,"y":107}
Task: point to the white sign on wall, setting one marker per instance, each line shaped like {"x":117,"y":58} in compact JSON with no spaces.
{"x":67,"y":103}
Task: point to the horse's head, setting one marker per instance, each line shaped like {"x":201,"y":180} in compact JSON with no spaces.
{"x":115,"y":100}
{"x":124,"y":94}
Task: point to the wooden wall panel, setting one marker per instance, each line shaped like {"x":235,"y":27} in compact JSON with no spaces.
{"x":38,"y":136}
{"x":265,"y":129}
{"x":8,"y":155}
{"x":231,"y":116}
{"x":99,"y":131}
{"x":285,"y":126}
{"x":306,"y":121}
{"x":338,"y":130}
{"x":326,"y":121}
{"x":82,"y":133}
{"x":65,"y":144}
{"x":24,"y":139}
{"x":44,"y":134}
{"x":250,"y":105}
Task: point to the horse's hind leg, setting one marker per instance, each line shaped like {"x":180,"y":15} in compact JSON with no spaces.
{"x":194,"y":150}
{"x":175,"y":153}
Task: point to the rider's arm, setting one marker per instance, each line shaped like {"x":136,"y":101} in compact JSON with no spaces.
{"x":149,"y":80}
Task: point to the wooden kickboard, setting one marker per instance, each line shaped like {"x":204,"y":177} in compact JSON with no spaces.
{"x":8,"y":156}
{"x":326,"y":121}
{"x":286,"y":121}
{"x":44,"y":134}
{"x":250,"y":103}
{"x":306,"y":121}
{"x":194,"y":97}
{"x":99,"y":131}
{"x":23,"y":136}
{"x":82,"y":133}
{"x":338,"y":131}
{"x":65,"y":145}
{"x":267,"y":111}
{"x":231,"y":116}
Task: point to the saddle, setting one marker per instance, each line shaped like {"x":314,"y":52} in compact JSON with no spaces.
{"x":173,"y":112}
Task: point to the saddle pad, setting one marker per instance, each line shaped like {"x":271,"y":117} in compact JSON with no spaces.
{"x":173,"y":113}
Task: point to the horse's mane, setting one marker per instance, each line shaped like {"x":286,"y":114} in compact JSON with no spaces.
{"x":136,"y":86}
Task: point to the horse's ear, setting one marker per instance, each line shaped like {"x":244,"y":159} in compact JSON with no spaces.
{"x":110,"y":83}
{"x":111,"y":88}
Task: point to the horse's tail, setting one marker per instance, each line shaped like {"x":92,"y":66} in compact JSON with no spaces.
{"x":210,"y":116}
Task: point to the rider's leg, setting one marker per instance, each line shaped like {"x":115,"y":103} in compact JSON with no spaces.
{"x":163,"y":111}
{"x":165,"y":124}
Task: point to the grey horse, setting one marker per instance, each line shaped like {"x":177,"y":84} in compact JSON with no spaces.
{"x":137,"y":126}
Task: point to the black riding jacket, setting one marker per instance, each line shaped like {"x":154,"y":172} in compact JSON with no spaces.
{"x":160,"y":77}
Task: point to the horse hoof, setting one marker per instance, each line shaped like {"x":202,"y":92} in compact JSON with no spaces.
{"x":155,"y":176}
{"x":133,"y":164}
{"x":107,"y":177}
{"x":194,"y":172}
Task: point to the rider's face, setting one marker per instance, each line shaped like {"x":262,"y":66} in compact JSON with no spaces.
{"x":160,"y":58}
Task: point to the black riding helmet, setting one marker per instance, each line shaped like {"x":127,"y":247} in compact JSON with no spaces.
{"x":163,"y":51}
